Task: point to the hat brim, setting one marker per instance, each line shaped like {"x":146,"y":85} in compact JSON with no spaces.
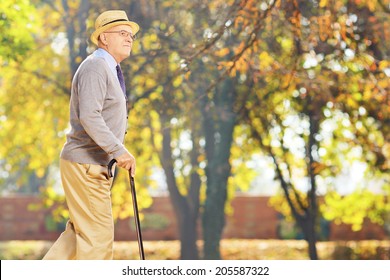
{"x":95,"y":35}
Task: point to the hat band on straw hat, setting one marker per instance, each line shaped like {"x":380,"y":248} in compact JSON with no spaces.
{"x":115,"y":21}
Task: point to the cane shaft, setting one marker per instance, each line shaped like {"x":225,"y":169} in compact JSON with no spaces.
{"x":136,"y":218}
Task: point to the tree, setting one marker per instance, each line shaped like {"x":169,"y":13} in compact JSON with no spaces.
{"x":28,"y":148}
{"x":220,"y":105}
{"x":17,"y":23}
{"x":313,"y":93}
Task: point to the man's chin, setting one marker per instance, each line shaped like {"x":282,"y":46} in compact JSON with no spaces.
{"x":126,"y":55}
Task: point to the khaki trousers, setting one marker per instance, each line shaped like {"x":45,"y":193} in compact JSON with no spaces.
{"x":89,"y":233}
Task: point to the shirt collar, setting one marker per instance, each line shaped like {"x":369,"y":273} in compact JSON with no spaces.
{"x":108,"y":58}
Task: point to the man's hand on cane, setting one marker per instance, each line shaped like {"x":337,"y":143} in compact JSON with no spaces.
{"x":127,"y":161}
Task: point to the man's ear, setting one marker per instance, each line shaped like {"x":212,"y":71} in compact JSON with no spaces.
{"x":103,"y":39}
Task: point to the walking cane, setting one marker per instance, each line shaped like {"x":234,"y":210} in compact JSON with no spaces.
{"x":135,"y":208}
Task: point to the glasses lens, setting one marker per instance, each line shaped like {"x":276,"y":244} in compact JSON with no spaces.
{"x":124,"y":33}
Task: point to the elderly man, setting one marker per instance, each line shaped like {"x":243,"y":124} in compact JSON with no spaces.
{"x":98,"y":119}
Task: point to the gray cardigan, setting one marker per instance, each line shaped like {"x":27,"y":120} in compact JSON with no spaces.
{"x":98,"y":115}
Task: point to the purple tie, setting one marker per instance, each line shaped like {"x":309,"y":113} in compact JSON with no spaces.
{"x":121,"y":79}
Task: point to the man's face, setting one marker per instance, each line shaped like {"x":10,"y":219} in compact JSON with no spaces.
{"x":119,"y":44}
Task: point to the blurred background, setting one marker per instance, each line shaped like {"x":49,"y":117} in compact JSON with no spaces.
{"x":260,"y":128}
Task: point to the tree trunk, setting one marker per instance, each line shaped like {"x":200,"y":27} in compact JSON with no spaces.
{"x":214,"y":217}
{"x":188,"y":234}
{"x":76,"y":28}
{"x":311,"y":235}
{"x":186,"y":208}
{"x":305,"y":217}
{"x":219,"y":122}
{"x":311,"y":239}
{"x":308,"y":225}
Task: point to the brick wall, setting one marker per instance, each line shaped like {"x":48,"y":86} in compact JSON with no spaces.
{"x":18,"y":223}
{"x":252,"y":218}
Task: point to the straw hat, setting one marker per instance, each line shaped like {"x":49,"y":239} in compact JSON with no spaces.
{"x":109,"y":19}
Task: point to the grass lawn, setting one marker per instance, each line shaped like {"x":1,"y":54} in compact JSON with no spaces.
{"x":231,"y":249}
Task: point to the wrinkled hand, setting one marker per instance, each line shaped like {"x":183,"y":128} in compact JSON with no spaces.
{"x":127,"y":161}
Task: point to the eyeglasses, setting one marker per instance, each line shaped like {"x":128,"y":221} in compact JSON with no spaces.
{"x":124,"y":33}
